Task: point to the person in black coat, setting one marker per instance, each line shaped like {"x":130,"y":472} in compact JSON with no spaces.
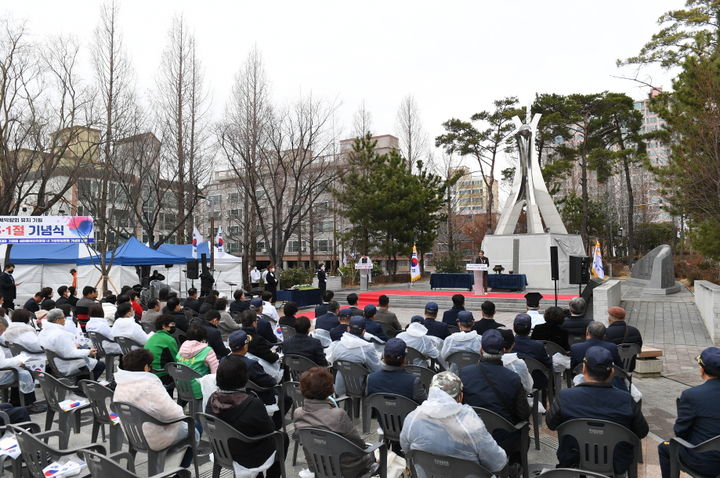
{"x":450,"y":316}
{"x":271,"y":282}
{"x":322,"y":278}
{"x":487,"y":321}
{"x":527,"y":347}
{"x":265,"y":325}
{"x":576,"y":324}
{"x":174,"y":308}
{"x":329,"y":320}
{"x":352,"y":300}
{"x":321,"y":309}
{"x":303,"y":344}
{"x":33,"y":303}
{"x":259,"y":345}
{"x":289,"y":311}
{"x":240,"y":304}
{"x":246,"y":413}
{"x":371,"y":326}
{"x":8,"y":286}
{"x":595,"y":337}
{"x":596,"y":398}
{"x":551,"y":331}
{"x":619,"y":332}
{"x":434,"y":328}
{"x":214,"y":336}
{"x":192,"y":301}
{"x":344,"y":318}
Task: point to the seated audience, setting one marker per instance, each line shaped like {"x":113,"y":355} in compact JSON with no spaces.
{"x":329,"y":320}
{"x":260,"y":347}
{"x":487,"y":321}
{"x":618,"y":331}
{"x":152,"y":313}
{"x":319,"y":410}
{"x":63,"y":294}
{"x":393,"y":378}
{"x":240,"y":303}
{"x":596,"y":398}
{"x":289,"y":311}
{"x":197,"y":354}
{"x":164,"y":347}
{"x":99,"y":324}
{"x":527,"y":347}
{"x":20,"y":332}
{"x":208,"y":303}
{"x":450,"y":315}
{"x":551,"y":330}
{"x":595,"y":336}
{"x":576,"y":324}
{"x":55,"y":337}
{"x":322,"y":309}
{"x":698,"y":418}
{"x":303,"y":344}
{"x":126,"y":326}
{"x":387,"y":320}
{"x":337,"y":332}
{"x":173,"y":307}
{"x":26,"y":380}
{"x":352,"y":347}
{"x":434,"y":328}
{"x":33,"y":303}
{"x":372,"y":327}
{"x":214,"y":336}
{"x":268,"y":308}
{"x":466,"y":340}
{"x":442,"y":425}
{"x":192,"y":302}
{"x":416,"y":336}
{"x":227,"y":324}
{"x":266,"y":325}
{"x":45,"y":306}
{"x":352,"y":300}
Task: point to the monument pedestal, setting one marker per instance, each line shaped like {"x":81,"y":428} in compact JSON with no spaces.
{"x":529,"y":254}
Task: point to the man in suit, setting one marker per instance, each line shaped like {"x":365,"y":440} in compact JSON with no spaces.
{"x":527,"y":347}
{"x":698,"y":418}
{"x":321,"y":309}
{"x":576,"y":324}
{"x":596,"y":398}
{"x":450,"y":316}
{"x":303,"y":344}
{"x":271,"y":282}
{"x":434,"y":328}
{"x":8,"y":286}
{"x":329,"y":320}
{"x":352,"y":300}
{"x":481,"y":259}
{"x":322,"y":278}
{"x":487,"y":321}
{"x":387,"y":320}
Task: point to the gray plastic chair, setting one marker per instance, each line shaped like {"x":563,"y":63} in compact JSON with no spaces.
{"x":100,"y":398}
{"x":37,"y":453}
{"x":16,"y":464}
{"x":436,"y":466}
{"x":596,"y":443}
{"x":53,"y":358}
{"x":6,"y":388}
{"x":127,"y":345}
{"x":628,"y":354}
{"x":552,"y":348}
{"x":390,"y":410}
{"x":97,"y":340}
{"x":676,"y":465}
{"x":132,"y":420}
{"x":147,"y":328}
{"x":423,"y":373}
{"x":184,"y":377}
{"x":324,"y":449}
{"x":354,"y":375}
{"x":297,"y":364}
{"x":570,"y":473}
{"x":288,"y":331}
{"x":220,"y":433}
{"x":463,"y":359}
{"x":109,"y":466}
{"x":292,"y":390}
{"x":535,"y":365}
{"x":55,"y":391}
{"x":494,"y":422}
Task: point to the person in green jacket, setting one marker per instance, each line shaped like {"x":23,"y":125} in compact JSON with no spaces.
{"x":164,"y":348}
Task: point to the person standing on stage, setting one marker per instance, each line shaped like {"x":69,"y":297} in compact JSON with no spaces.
{"x":481,"y":259}
{"x":255,"y":277}
{"x":271,"y":282}
{"x":322,"y":278}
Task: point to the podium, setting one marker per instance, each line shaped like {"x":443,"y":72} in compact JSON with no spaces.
{"x":364,"y":268}
{"x":478,"y":271}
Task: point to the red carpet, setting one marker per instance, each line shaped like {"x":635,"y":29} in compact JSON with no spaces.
{"x":372,"y":297}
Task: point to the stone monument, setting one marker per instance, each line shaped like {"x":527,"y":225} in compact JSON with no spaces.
{"x":529,"y":253}
{"x":655,"y":272}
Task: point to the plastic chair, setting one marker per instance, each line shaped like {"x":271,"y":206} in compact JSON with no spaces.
{"x":220,"y":433}
{"x":494,"y":422}
{"x":288,"y":331}
{"x":463,"y":359}
{"x":596,"y":443}
{"x":97,"y":340}
{"x":535,"y":365}
{"x":390,"y":410}
{"x":100,"y":397}
{"x":423,"y":373}
{"x":14,"y":384}
{"x":292,"y":390}
{"x":147,"y":328}
{"x":132,"y":420}
{"x":628,"y":353}
{"x":17,"y":349}
{"x":109,"y":466}
{"x":552,"y":348}
{"x":180,"y":336}
{"x":324,"y":448}
{"x":570,"y":473}
{"x":37,"y":453}
{"x":297,"y":364}
{"x":55,"y":391}
{"x":184,"y":377}
{"x":127,"y":344}
{"x":16,"y":463}
{"x":436,"y":466}
{"x":676,"y":465}
{"x":354,"y":375}
{"x":53,"y":357}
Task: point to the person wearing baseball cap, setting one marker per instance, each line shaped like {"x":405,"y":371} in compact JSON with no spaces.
{"x":466,"y":340}
{"x":352,"y":347}
{"x":434,"y":328}
{"x":372,"y":327}
{"x":442,"y":425}
{"x":491,"y":385}
{"x":596,"y":398}
{"x":393,"y":378}
{"x":698,"y":419}
{"x":266,"y":325}
{"x":343,"y":322}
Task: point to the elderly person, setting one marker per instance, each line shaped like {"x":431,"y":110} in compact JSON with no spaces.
{"x":126,"y":326}
{"x":466,"y":340}
{"x":140,"y":387}
{"x":99,"y":324}
{"x":227,"y":324}
{"x":20,"y":332}
{"x":152,"y":313}
{"x":393,"y":378}
{"x":416,"y":336}
{"x":56,"y":338}
{"x":26,"y":382}
{"x":442,"y":425}
{"x":551,"y":330}
{"x":576,"y":324}
{"x":319,"y":410}
{"x":352,"y":347}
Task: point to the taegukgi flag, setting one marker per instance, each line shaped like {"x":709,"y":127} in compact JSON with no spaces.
{"x":197,"y":239}
{"x":414,"y":266}
{"x":219,"y":242}
{"x":597,"y":267}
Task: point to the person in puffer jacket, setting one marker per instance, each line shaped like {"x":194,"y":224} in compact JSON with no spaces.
{"x":197,"y":354}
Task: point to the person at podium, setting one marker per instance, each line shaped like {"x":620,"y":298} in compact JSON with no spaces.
{"x":481,"y":259}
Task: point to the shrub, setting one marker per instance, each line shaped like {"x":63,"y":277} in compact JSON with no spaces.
{"x":450,"y":262}
{"x":296,"y":276}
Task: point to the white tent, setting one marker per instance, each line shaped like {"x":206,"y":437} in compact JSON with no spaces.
{"x":228,"y":269}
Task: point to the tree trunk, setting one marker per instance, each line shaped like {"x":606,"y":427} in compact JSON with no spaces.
{"x":631,"y":209}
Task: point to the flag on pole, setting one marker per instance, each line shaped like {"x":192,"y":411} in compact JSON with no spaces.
{"x":197,"y":239}
{"x":414,"y":266}
{"x":597,"y":267}
{"x":219,"y":243}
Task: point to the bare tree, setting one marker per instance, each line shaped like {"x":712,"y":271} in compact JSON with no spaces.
{"x":362,"y":121}
{"x":413,"y":139}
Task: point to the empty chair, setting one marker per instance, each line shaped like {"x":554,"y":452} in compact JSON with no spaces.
{"x":100,"y":398}
{"x":132,"y":420}
{"x":220,"y":435}
{"x":570,"y":473}
{"x":497,"y":426}
{"x":184,"y":378}
{"x":628,"y":353}
{"x":297,"y":364}
{"x":415,"y":357}
{"x":37,"y":453}
{"x":429,"y":465}
{"x":110,"y":467}
{"x":127,"y":344}
{"x":324,"y":450}
{"x":97,"y":340}
{"x":676,"y":464}
{"x":56,"y":391}
{"x":597,"y":440}
{"x":463,"y":359}
{"x":355,"y":376}
{"x":423,"y":373}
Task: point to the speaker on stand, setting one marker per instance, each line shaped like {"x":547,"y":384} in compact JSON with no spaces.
{"x":580,"y":271}
{"x":554,"y":270}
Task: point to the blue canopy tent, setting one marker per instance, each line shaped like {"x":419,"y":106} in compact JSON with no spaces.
{"x":185,"y":250}
{"x":135,"y":253}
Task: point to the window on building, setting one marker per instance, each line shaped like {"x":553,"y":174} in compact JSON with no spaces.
{"x":233,"y":198}
{"x":260,"y":246}
{"x":234,"y":231}
{"x":215,"y":200}
{"x":233,"y":247}
{"x":294,"y":246}
{"x":323,"y":245}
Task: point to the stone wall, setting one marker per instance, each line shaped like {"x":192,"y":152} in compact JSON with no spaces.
{"x":707,"y":299}
{"x":607,"y":295}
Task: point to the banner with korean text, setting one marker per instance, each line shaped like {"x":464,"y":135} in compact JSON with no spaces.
{"x":46,"y":229}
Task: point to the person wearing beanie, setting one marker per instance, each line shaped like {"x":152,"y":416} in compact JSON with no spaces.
{"x":393,"y":378}
{"x":618,"y":331}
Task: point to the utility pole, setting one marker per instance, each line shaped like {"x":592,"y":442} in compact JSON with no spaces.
{"x":211,"y":241}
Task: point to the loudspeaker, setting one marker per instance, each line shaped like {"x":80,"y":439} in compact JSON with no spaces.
{"x":579,"y":269}
{"x":193,"y":269}
{"x":554,"y":266}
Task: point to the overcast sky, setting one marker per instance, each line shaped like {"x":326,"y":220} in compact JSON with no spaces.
{"x":455,"y":57}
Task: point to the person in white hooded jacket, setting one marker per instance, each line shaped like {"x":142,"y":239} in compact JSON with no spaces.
{"x":466,"y":340}
{"x":442,"y":425}
{"x":352,"y":347}
{"x":98,"y":323}
{"x":55,"y":337}
{"x":416,"y":337}
{"x":125,"y":325}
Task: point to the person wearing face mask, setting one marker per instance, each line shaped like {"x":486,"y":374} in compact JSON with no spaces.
{"x":8,"y":286}
{"x":164,"y":348}
{"x":271,"y":282}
